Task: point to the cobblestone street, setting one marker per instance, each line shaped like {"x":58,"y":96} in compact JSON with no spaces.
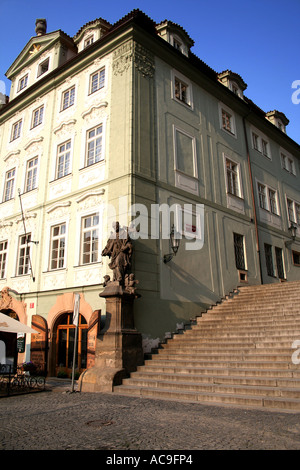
{"x":59,"y":420}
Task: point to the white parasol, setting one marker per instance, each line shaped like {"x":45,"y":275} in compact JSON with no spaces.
{"x":10,"y":325}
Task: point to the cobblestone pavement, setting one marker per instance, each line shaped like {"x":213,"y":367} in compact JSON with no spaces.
{"x":59,"y":420}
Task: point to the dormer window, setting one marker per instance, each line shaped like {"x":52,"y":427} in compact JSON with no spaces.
{"x":23,"y":82}
{"x":278,"y":119}
{"x":43,"y":67}
{"x":88,"y":41}
{"x":234,"y":82}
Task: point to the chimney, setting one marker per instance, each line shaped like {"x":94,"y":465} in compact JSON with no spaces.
{"x":40,"y":26}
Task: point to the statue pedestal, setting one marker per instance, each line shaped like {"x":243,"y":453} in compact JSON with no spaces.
{"x":119,"y":345}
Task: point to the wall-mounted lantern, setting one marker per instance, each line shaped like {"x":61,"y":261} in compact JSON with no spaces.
{"x":292,"y":231}
{"x":175,"y":242}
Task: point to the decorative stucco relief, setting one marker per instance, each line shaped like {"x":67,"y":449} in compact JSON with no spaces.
{"x":90,"y":199}
{"x":133,"y":53}
{"x":58,"y":211}
{"x":95,"y":112}
{"x":34,"y":145}
{"x":64,"y":129}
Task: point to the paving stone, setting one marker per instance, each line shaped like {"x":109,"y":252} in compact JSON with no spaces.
{"x":57,"y":420}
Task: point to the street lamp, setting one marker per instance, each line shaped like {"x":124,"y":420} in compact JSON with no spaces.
{"x":175,"y":241}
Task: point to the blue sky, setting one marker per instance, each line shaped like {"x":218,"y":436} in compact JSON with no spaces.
{"x":258,"y":39}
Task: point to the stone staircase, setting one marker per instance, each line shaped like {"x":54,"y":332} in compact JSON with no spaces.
{"x":239,"y":352}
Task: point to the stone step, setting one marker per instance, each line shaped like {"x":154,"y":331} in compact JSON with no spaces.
{"x":220,"y":350}
{"x":224,"y":355}
{"x":238,"y":363}
{"x":219,"y":370}
{"x":219,"y":379}
{"x":240,"y":389}
{"x":192,"y":396}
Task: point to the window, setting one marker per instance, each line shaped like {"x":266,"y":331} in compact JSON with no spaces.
{"x":88,"y":41}
{"x":97,"y":80}
{"x":296,"y":258}
{"x":269,"y":260}
{"x":227,"y":120}
{"x":288,"y":163}
{"x":255,"y":140}
{"x":272,"y":201}
{"x":37,"y":117}
{"x":57,"y":246}
{"x":31,"y":174}
{"x":63,"y":159}
{"x":23,"y":262}
{"x":43,"y":67}
{"x":239,"y":251}
{"x":181,"y":91}
{"x":185,"y":153}
{"x":9,"y":184}
{"x":89,"y":239}
{"x":232,"y":173}
{"x":293,"y":209}
{"x":279,"y":263}
{"x":3,"y":256}
{"x":23,"y":83}
{"x":94,"y":151}
{"x":264,"y":147}
{"x":68,"y":98}
{"x":261,"y":144}
{"x":16,"y":130}
{"x":262,"y":196}
{"x":267,"y":198}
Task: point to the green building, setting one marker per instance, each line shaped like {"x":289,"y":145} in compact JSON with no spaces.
{"x":123,"y":122}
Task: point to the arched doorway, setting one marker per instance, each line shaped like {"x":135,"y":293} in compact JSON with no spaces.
{"x":65,"y":339}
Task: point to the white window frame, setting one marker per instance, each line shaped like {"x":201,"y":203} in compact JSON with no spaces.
{"x":225,"y":110}
{"x":63,"y":153}
{"x":188,"y":101}
{"x":194,"y":150}
{"x":40,"y":66}
{"x":295,"y":211}
{"x":3,"y":258}
{"x":100,"y":82}
{"x":261,"y":143}
{"x":68,"y":98}
{"x":61,"y":236}
{"x":88,"y":41}
{"x":239,"y":192}
{"x":23,"y":82}
{"x":31,"y":174}
{"x":83,"y":230}
{"x":288,"y":162}
{"x":16,"y":130}
{"x":9,"y":185}
{"x":89,"y":140}
{"x":267,"y":198}
{"x":37,"y":117}
{"x":24,"y":252}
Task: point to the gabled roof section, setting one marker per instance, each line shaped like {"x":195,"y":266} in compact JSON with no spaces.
{"x":35,"y":47}
{"x":98,"y":22}
{"x":176,"y":28}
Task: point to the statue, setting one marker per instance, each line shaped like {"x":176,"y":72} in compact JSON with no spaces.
{"x":130,"y":283}
{"x":119,"y":250}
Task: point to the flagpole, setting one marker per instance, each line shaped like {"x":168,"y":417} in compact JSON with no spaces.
{"x":75,"y":321}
